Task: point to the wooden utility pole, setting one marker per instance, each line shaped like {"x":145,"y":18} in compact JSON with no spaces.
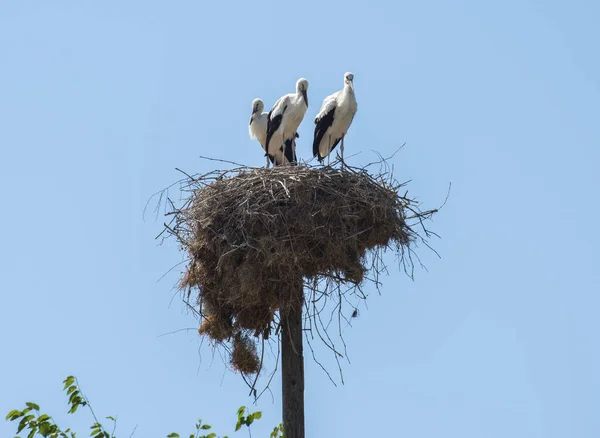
{"x":292,"y":371}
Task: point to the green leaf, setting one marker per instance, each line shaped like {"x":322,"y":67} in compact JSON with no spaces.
{"x":68,"y":382}
{"x":45,"y":429}
{"x":173,"y":435}
{"x":71,"y":389}
{"x":238,"y":425}
{"x":257,"y":415}
{"x":110,"y":417}
{"x":212,"y":435}
{"x":32,"y":433}
{"x":205,"y":427}
{"x":241,"y":410}
{"x":13,"y":415}
{"x":43,"y":417}
{"x":33,"y":406}
{"x":23,"y":422}
{"x":277,"y":431}
{"x":74,"y":395}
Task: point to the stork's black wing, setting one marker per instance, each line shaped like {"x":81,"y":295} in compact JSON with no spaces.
{"x":273,"y":124}
{"x":321,"y":125}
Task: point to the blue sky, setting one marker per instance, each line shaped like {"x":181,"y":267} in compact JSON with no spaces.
{"x":100,"y":101}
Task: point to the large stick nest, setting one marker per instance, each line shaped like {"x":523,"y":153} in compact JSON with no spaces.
{"x":254,"y":234}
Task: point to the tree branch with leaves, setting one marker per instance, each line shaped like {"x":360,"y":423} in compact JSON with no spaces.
{"x":35,"y":424}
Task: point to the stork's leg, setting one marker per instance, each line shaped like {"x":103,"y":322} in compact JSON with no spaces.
{"x":342,"y":151}
{"x":329,"y":153}
{"x":266,"y":149}
{"x":292,"y":152}
{"x":294,"y":149}
{"x":283,"y":148}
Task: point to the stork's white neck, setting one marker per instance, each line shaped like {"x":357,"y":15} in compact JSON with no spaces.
{"x":300,"y":96}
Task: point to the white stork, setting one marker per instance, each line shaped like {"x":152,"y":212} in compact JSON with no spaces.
{"x":258,"y":131}
{"x":334,"y":119}
{"x":258,"y":126}
{"x":283,"y":121}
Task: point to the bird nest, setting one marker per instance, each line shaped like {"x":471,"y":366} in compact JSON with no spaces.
{"x":255,"y":235}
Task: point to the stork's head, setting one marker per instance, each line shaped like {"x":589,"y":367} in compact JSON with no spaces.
{"x":349,"y":80}
{"x":257,"y":106}
{"x":302,"y":88}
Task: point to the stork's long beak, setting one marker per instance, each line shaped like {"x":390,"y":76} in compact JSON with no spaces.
{"x":351,"y":83}
{"x":251,"y":119}
{"x":304,"y":94}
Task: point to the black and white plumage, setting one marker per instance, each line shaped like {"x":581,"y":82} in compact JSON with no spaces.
{"x":334,"y":120}
{"x":283,"y":121}
{"x":258,"y":130}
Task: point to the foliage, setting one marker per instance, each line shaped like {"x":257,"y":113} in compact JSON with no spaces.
{"x":37,"y":424}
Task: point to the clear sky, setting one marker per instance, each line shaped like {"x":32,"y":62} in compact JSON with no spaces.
{"x":100,"y":101}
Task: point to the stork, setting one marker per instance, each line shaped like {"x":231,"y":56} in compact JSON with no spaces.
{"x":283,"y":121}
{"x":334,"y":120}
{"x":258,"y":131}
{"x":258,"y":125}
